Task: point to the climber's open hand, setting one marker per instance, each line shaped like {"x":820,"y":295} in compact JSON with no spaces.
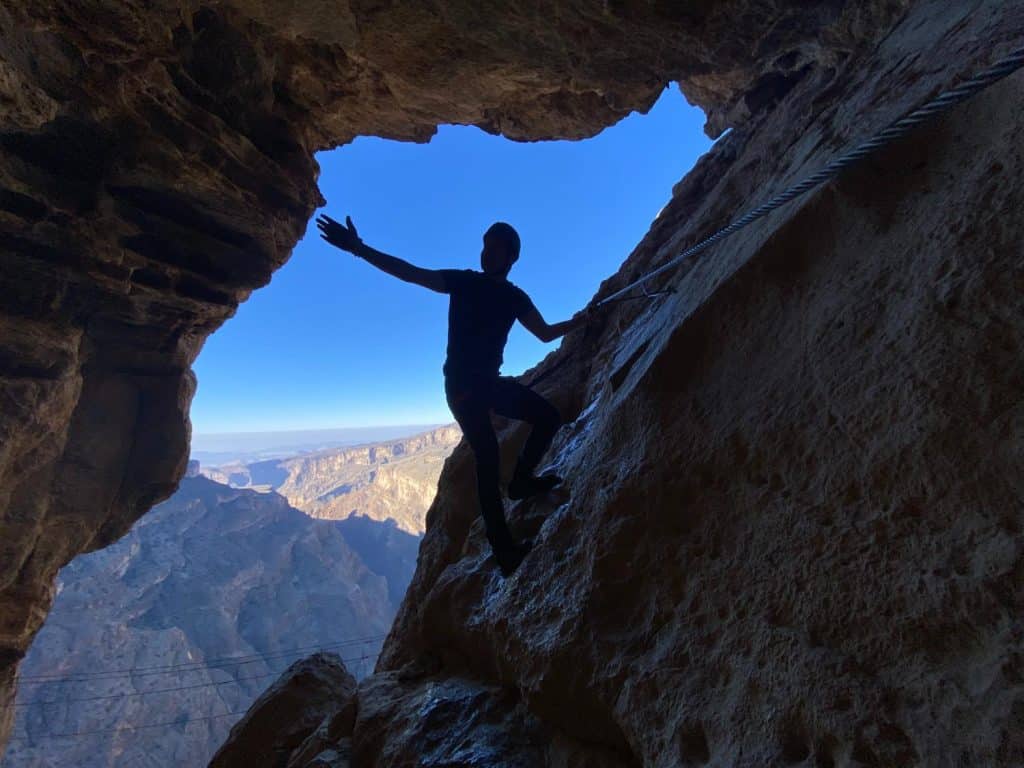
{"x":591,"y":312}
{"x":585,"y":317}
{"x":344,"y":237}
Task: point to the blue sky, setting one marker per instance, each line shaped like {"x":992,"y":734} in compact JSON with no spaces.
{"x":332,"y":342}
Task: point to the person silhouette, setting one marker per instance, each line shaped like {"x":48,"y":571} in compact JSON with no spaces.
{"x":482,"y":309}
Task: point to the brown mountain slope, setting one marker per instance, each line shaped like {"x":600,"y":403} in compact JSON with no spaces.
{"x":395,"y":480}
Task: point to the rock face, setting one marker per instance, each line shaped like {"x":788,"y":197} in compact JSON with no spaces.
{"x":208,"y":598}
{"x":795,"y":526}
{"x":314,"y":691}
{"x":392,"y":480}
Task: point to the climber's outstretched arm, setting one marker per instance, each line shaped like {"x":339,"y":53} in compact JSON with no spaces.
{"x":535,"y":324}
{"x":347,"y":239}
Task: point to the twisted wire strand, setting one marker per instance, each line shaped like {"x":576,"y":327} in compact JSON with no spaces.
{"x":900,"y":128}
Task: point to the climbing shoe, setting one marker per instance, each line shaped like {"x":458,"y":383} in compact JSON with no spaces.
{"x":525,"y":487}
{"x":509,"y":558}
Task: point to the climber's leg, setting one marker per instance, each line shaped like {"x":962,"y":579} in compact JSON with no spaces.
{"x":470,"y":405}
{"x":517,"y":401}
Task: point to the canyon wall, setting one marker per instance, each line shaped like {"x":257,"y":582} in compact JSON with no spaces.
{"x":794,"y":527}
{"x":389,"y":480}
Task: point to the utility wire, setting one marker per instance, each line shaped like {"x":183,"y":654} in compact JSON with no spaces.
{"x":43,"y":702}
{"x":166,"y":724}
{"x":177,"y":688}
{"x":136,"y":727}
{"x":222,"y":666}
{"x":167,"y":669}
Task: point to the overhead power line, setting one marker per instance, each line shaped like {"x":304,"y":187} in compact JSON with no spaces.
{"x":165,"y":724}
{"x":230,"y":680}
{"x":136,"y":727}
{"x":197,"y":666}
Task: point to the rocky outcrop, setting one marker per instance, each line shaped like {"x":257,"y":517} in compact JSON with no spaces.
{"x":314,"y":695}
{"x":391,"y":480}
{"x":794,"y":533}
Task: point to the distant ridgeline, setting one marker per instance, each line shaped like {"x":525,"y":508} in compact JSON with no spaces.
{"x":394,"y":480}
{"x":191,"y":615}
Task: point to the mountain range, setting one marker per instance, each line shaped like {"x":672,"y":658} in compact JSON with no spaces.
{"x":396,"y":479}
{"x":189,"y":616}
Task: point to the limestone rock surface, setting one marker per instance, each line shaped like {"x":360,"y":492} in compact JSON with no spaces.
{"x":794,"y":529}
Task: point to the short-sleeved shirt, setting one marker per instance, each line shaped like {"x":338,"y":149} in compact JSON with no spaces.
{"x":481,"y":312}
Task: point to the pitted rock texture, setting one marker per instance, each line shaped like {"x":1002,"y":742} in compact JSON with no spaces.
{"x":483,"y":725}
{"x":156,"y":166}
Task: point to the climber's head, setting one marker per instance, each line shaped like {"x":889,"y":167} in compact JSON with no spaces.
{"x":501,"y":249}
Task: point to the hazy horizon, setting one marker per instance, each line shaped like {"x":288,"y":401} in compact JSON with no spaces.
{"x":320,"y":430}
{"x":213,"y":448}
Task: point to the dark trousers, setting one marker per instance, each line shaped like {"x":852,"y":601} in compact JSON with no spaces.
{"x":471,"y":400}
